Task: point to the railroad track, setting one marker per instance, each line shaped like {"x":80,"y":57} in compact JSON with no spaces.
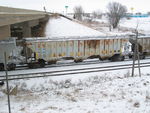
{"x":61,"y":64}
{"x":72,"y":71}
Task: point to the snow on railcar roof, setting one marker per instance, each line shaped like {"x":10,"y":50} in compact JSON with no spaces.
{"x":140,"y":36}
{"x":75,"y":38}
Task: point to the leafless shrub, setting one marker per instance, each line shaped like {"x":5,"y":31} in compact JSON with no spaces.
{"x":23,"y":85}
{"x":126,"y":75}
{"x":78,"y":12}
{"x":147,"y":98}
{"x":97,"y":14}
{"x":136,"y":104}
{"x":71,"y":97}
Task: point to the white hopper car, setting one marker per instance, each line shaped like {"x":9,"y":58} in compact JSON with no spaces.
{"x":7,"y":46}
{"x":43,"y":49}
{"x":143,"y":44}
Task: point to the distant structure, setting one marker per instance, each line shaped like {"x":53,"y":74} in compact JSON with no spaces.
{"x":20,"y":23}
{"x":137,"y":15}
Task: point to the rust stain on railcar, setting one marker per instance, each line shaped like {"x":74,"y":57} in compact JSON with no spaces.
{"x":93,"y":43}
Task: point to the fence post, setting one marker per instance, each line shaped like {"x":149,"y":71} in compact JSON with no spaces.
{"x":136,"y":53}
{"x":8,"y":91}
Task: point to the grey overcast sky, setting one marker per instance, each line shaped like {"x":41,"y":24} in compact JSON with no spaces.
{"x":88,"y":5}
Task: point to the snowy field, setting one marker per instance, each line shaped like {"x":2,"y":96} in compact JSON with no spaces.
{"x":127,"y":26}
{"x":139,"y":23}
{"x":109,"y":92}
{"x":101,"y":92}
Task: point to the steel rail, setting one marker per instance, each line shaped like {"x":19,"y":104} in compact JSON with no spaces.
{"x":71,"y":72}
{"x":78,"y":69}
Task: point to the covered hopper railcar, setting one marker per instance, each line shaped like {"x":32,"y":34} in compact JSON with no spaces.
{"x":7,"y":46}
{"x":143,"y":45}
{"x":41,"y":50}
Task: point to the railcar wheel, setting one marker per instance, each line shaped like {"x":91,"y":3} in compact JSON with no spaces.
{"x":41,"y":62}
{"x":77,"y":60}
{"x":52,"y":62}
{"x":122,"y":58}
{"x":11,"y":66}
{"x":130,"y":56}
{"x":117,"y":57}
{"x":142,"y":56}
{"x":1,"y":67}
{"x":100,"y":59}
{"x":33,"y":65}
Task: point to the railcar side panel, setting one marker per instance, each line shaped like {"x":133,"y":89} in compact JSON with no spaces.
{"x":149,"y":45}
{"x":92,"y":44}
{"x":37,"y":50}
{"x":116,"y":46}
{"x":31,"y":48}
{"x":7,"y":46}
{"x":102,"y":48}
{"x":54,"y":50}
{"x":111,"y":44}
{"x":80,"y":48}
{"x":75,"y":48}
{"x":86,"y":48}
{"x":43,"y":50}
{"x":145,"y":43}
{"x":70,"y":52}
{"x":119,"y":46}
{"x":59,"y":49}
{"x":48,"y":50}
{"x":97,"y":51}
{"x":106,"y":45}
{"x":64,"y":49}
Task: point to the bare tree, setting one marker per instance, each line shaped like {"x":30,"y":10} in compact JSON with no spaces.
{"x":78,"y":12}
{"x":97,"y":14}
{"x":115,"y":12}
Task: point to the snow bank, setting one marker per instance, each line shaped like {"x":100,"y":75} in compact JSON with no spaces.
{"x":62,"y":27}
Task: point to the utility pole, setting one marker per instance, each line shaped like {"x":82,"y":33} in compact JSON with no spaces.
{"x":136,"y":55}
{"x":8,"y":91}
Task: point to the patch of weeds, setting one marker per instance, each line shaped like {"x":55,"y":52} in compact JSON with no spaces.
{"x":147,"y":98}
{"x":71,"y":98}
{"x":23,"y":85}
{"x":126,"y":75}
{"x":80,"y":83}
{"x":136,"y":104}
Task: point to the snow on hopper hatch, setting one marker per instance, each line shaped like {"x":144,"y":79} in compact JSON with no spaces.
{"x":62,"y":27}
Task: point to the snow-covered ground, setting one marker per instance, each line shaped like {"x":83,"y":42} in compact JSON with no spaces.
{"x":63,"y":28}
{"x":95,"y":93}
{"x":139,"y":23}
{"x":126,"y":26}
{"x":109,"y":92}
